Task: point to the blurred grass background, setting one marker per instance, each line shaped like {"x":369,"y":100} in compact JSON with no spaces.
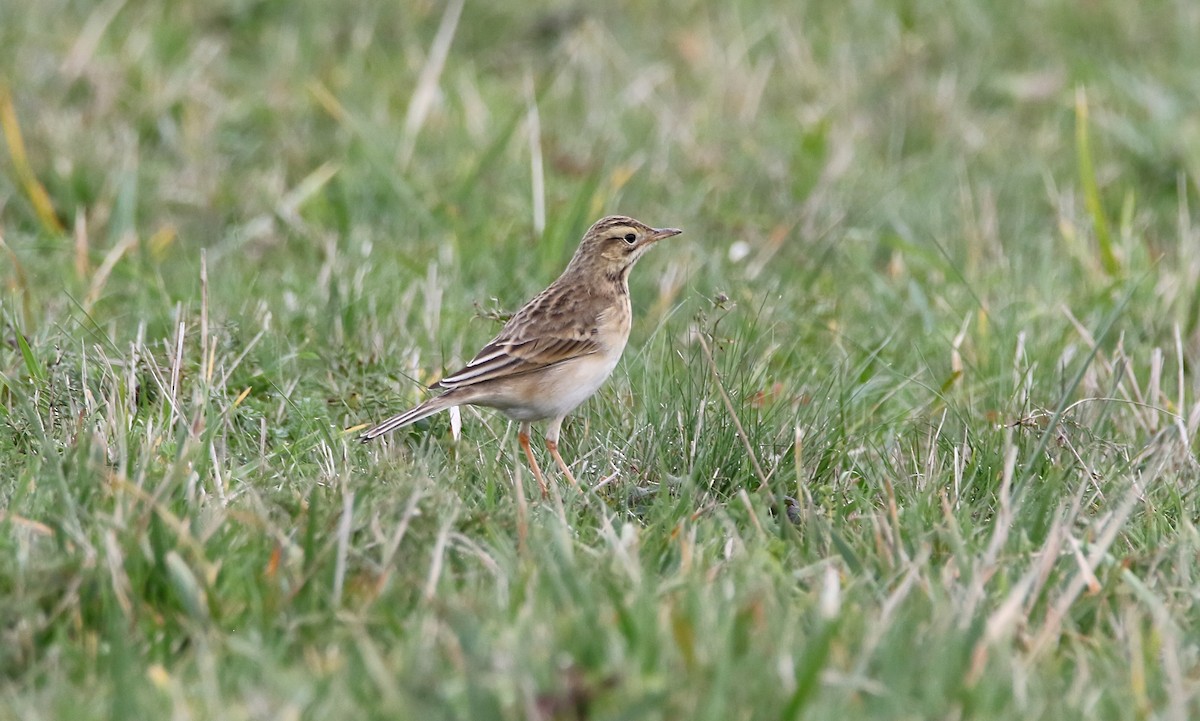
{"x":942,"y":253}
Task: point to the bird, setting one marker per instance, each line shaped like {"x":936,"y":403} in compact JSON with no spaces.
{"x":558,"y":349}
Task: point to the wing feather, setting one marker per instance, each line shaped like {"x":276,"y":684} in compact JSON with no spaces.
{"x":502,"y":358}
{"x":547,"y":331}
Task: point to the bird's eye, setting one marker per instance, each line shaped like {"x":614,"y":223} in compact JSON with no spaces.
{"x":630,"y":238}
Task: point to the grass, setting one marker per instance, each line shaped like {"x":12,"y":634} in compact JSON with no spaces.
{"x":906,"y":429}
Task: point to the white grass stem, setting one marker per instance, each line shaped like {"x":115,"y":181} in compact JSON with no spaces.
{"x":537,"y":171}
{"x":426,"y":89}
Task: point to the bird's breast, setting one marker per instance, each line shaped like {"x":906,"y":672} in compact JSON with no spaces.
{"x":555,"y":391}
{"x":613,"y":324}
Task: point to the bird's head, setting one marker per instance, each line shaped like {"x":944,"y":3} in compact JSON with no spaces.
{"x":614,"y":243}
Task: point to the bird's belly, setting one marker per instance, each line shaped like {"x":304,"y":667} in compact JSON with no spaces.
{"x":556,"y":391}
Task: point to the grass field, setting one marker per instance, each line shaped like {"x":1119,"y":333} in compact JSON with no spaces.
{"x":907,"y":427}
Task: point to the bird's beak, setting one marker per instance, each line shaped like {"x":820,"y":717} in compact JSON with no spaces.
{"x":660,"y":233}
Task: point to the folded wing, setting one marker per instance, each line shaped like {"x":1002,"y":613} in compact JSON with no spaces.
{"x":505,"y":357}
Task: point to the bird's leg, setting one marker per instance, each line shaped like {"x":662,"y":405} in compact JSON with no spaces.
{"x":552,"y":446}
{"x":523,"y":438}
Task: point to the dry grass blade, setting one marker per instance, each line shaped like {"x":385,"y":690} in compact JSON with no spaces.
{"x":426,"y":91}
{"x":1052,"y":627}
{"x":737,"y":423}
{"x":34,"y":189}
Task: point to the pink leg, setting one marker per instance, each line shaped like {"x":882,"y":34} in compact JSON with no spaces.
{"x":553,"y":447}
{"x":523,"y":438}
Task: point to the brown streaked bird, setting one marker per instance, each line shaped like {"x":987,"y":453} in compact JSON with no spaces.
{"x":556,"y":351}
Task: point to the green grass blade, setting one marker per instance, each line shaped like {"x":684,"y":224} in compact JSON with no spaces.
{"x":1091,"y":190}
{"x":35,"y":369}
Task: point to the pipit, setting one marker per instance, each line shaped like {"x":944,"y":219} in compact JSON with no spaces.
{"x":556,"y":351}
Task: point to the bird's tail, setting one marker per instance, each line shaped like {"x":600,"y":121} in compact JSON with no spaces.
{"x":410,"y":416}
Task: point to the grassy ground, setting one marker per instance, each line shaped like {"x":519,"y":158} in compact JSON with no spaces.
{"x":940,"y":461}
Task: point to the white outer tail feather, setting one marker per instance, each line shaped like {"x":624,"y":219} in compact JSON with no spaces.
{"x":412,"y":415}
